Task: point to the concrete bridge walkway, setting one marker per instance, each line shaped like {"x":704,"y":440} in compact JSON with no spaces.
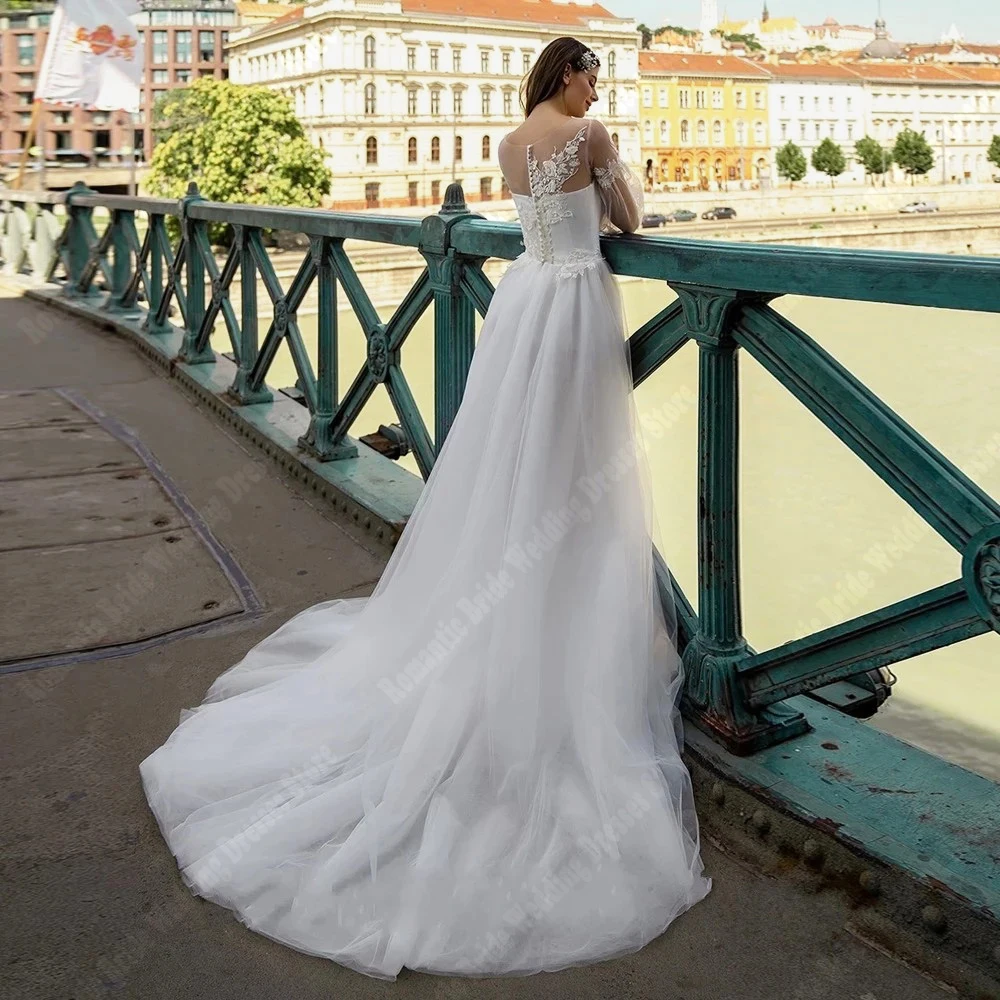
{"x":133,"y":523}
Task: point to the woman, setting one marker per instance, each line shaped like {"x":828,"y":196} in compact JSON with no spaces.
{"x":476,"y":770}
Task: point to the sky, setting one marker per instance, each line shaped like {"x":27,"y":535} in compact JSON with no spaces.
{"x":907,"y":20}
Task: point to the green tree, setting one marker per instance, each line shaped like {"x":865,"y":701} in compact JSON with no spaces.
{"x":828,"y":158}
{"x":749,"y":42}
{"x":647,"y":35}
{"x":238,"y":143}
{"x":913,"y":153}
{"x":875,"y":158}
{"x":791,"y":163}
{"x":993,"y":154}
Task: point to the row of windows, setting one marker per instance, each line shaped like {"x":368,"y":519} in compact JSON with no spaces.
{"x":977,"y":101}
{"x":831,"y":130}
{"x":182,"y":46}
{"x":831,"y":102}
{"x":373,"y":191}
{"x":701,"y":133}
{"x":701,"y":98}
{"x":371,"y":149}
{"x":458,"y":102}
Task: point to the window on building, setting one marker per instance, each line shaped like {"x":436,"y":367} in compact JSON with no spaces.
{"x":182,"y":47}
{"x":830,"y":102}
{"x":485,"y":188}
{"x":205,"y":72}
{"x":782,"y":101}
{"x":65,"y":117}
{"x":456,"y":101}
{"x":411,"y":150}
{"x":701,"y":132}
{"x":508,"y":103}
{"x":802,"y":130}
{"x":664,"y":101}
{"x":741,"y":133}
{"x":369,"y":98}
{"x":685,"y":99}
{"x":414,"y":193}
{"x":612,"y":103}
{"x":850,"y":130}
{"x":504,"y":189}
{"x":160,"y":51}
{"x":685,"y":132}
{"x":26,"y":50}
{"x":456,"y":60}
{"x":819,"y":128}
{"x":411,"y":57}
{"x":180,"y":75}
{"x":611,"y":63}
{"x":526,"y":62}
{"x":784,"y":130}
{"x":759,"y":134}
{"x":484,"y":61}
{"x":741,"y":98}
{"x":435,"y":102}
{"x":664,"y":131}
{"x":647,"y":131}
{"x":816,"y":103}
{"x":716,"y":98}
{"x":369,"y":51}
{"x":371,"y":149}
{"x":435,"y":55}
{"x":24,"y":98}
{"x":411,"y":101}
{"x":700,"y":99}
{"x":63,"y":140}
{"x":505,"y":63}
{"x":26,"y":79}
{"x":486,"y":147}
{"x":371,"y":194}
{"x":161,"y":76}
{"x":206,"y":46}
{"x":435,"y":191}
{"x":486,"y":102}
{"x":435,"y":153}
{"x":458,"y":149}
{"x":647,"y":97}
{"x":848,"y":103}
{"x":802,"y":104}
{"x":717,"y":133}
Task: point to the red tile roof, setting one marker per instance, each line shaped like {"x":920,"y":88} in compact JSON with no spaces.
{"x":906,"y":72}
{"x":813,"y":71}
{"x":698,"y":64}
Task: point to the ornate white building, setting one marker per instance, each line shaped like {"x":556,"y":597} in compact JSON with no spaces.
{"x":407,"y":95}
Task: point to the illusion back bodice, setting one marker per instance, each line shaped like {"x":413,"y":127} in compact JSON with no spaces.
{"x":568,"y":186}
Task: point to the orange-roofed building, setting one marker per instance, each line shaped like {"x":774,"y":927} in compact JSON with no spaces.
{"x":704,"y":120}
{"x":406,"y":95}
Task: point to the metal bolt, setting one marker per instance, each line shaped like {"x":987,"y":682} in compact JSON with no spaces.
{"x":996,"y":954}
{"x":812,"y":851}
{"x":933,"y":918}
{"x":718,"y":793}
{"x":869,"y":882}
{"x":760,"y":821}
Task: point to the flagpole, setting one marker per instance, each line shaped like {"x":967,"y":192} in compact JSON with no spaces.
{"x":28,"y":143}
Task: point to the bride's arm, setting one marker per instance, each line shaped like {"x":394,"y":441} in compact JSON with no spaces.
{"x":620,"y":189}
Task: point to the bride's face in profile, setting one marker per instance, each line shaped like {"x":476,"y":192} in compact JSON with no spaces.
{"x":580,"y":90}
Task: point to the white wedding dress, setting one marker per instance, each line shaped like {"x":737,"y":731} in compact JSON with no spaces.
{"x":475,"y":771}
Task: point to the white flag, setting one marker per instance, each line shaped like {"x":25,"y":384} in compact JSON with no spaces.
{"x":94,"y":56}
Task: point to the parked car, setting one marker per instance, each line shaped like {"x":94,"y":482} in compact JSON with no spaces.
{"x":719,"y":212}
{"x":920,"y":206}
{"x":681,"y":215}
{"x":653,"y":220}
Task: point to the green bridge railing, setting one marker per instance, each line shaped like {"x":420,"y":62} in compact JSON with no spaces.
{"x":724,"y":291}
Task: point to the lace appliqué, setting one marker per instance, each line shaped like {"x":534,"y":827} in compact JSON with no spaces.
{"x":606,"y":176}
{"x":568,"y":267}
{"x":549,"y":204}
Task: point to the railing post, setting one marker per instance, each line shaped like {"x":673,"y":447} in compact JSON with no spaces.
{"x":189,"y":352}
{"x":714,"y":696}
{"x":81,"y":228}
{"x":157,"y":231}
{"x":454,"y":313}
{"x":121,"y":268}
{"x":15,"y":239}
{"x":249,"y":339}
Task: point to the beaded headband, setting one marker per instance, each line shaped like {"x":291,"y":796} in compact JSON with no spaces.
{"x":587,"y":61}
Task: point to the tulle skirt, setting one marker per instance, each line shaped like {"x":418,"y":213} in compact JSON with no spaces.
{"x":475,"y":771}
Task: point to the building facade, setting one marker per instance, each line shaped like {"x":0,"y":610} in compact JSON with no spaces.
{"x":704,"y":120}
{"x":185,"y":39}
{"x":810,"y":103}
{"x":405,"y":96}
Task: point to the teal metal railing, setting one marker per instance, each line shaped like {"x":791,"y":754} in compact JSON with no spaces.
{"x":723,"y":301}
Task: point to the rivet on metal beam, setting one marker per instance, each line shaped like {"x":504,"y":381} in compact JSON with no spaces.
{"x":718,"y":793}
{"x":760,"y":822}
{"x":869,"y":883}
{"x":812,"y":851}
{"x":933,"y":919}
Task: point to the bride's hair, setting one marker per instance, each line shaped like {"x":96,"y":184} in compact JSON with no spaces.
{"x":546,"y":77}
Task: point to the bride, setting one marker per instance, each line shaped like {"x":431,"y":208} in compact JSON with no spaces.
{"x":476,"y":771}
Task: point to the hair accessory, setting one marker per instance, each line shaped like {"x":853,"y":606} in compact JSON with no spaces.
{"x":588,"y":60}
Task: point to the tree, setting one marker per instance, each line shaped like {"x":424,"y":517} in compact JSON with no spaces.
{"x":238,"y":143}
{"x":873,"y":156}
{"x":993,"y":154}
{"x":749,"y":42}
{"x":647,"y":35}
{"x":791,"y":163}
{"x":828,"y":158}
{"x":913,"y":153}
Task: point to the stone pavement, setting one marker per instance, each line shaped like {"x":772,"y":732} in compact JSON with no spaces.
{"x":102,"y":461}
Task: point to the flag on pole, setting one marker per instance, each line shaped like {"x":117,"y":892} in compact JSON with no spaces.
{"x":94,"y":56}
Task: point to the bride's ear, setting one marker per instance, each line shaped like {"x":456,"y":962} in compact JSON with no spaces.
{"x":567,"y":75}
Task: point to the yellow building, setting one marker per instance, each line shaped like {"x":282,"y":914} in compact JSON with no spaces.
{"x":703,"y":119}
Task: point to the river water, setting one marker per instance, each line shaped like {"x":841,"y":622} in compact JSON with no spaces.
{"x":823,"y":539}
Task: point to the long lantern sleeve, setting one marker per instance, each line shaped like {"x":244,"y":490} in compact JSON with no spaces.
{"x":620,"y":189}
